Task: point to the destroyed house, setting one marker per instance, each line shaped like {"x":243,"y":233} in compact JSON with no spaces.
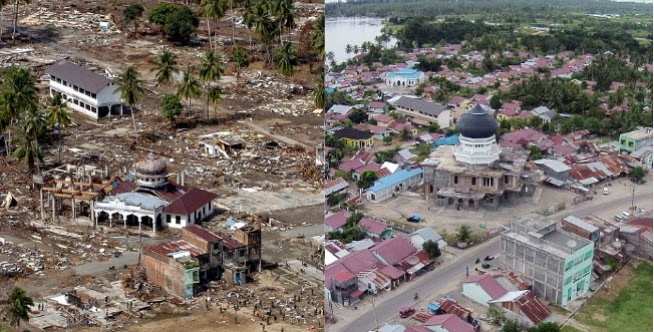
{"x":212,"y":244}
{"x":174,"y":266}
{"x":89,"y":93}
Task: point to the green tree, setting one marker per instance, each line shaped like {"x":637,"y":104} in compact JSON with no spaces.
{"x":166,"y":67}
{"x":16,"y":308}
{"x":387,"y":139}
{"x":432,"y":249}
{"x":354,"y":218}
{"x":211,"y":70}
{"x":358,"y":116}
{"x":535,"y":121}
{"x":241,"y":60}
{"x":367,"y":179}
{"x":212,"y":10}
{"x":18,"y":95}
{"x":433,"y":127}
{"x":546,"y":327}
{"x":405,"y":134}
{"x":58,"y":115}
{"x":131,"y":89}
{"x":318,"y":37}
{"x":285,"y":58}
{"x":511,"y":326}
{"x":637,"y":173}
{"x":171,"y":107}
{"x":534,"y":153}
{"x":464,"y":233}
{"x":177,"y":23}
{"x":319,"y":91}
{"x":132,"y":13}
{"x":189,"y":87}
{"x":27,"y":149}
{"x":496,"y":102}
{"x":214,"y":94}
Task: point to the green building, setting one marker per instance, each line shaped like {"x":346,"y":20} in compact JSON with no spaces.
{"x":636,"y":140}
{"x":557,"y":264}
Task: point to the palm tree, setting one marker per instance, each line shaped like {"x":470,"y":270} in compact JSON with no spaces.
{"x":286,"y":58}
{"x":58,"y":114}
{"x":166,"y":66}
{"x":355,"y":49}
{"x":17,"y":306}
{"x":263,"y":26}
{"x":283,"y":10}
{"x":330,"y":56}
{"x":318,"y":38}
{"x":232,"y":4}
{"x":249,"y":18}
{"x":3,"y":3}
{"x":211,"y":70}
{"x":189,"y":87}
{"x":18,"y":94}
{"x":214,"y":95}
{"x":27,"y":149}
{"x":131,"y":89}
{"x":13,"y":35}
{"x":319,"y":92}
{"x":348,"y":49}
{"x":212,"y":9}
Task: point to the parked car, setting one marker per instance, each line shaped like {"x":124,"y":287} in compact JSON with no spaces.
{"x":606,"y":190}
{"x":406,"y":312}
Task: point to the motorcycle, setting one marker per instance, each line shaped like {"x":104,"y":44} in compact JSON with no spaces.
{"x":111,"y":268}
{"x":415,"y":297}
{"x":477,"y":261}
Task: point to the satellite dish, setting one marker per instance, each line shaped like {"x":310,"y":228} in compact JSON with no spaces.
{"x":617,"y":244}
{"x":413,"y":260}
{"x":571,"y":244}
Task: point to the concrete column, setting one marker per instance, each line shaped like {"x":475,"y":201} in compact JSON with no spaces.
{"x":124,"y":221}
{"x":41,"y":199}
{"x":73,"y":204}
{"x":139,"y":225}
{"x":94,"y":218}
{"x":54,"y":203}
{"x":154,"y":225}
{"x":111,"y":220}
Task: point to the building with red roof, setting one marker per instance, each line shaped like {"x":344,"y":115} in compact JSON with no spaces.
{"x":375,"y":229}
{"x":524,"y":307}
{"x":448,"y":323}
{"x":149,"y":199}
{"x":482,"y":289}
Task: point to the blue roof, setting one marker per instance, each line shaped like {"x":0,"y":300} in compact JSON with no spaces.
{"x":450,"y":140}
{"x":329,"y":90}
{"x":394,"y":179}
{"x":405,"y":72}
{"x":433,"y":307}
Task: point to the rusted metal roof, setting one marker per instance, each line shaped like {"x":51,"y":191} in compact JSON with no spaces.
{"x":202,"y":233}
{"x":165,"y":249}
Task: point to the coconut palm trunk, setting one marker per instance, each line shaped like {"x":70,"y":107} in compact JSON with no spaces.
{"x":231,"y":11}
{"x":209,"y":32}
{"x":13,"y":35}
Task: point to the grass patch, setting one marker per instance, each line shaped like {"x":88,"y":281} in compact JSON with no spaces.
{"x":632,"y":307}
{"x":569,"y":328}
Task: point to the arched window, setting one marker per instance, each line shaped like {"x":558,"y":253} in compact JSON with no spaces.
{"x":456,"y":179}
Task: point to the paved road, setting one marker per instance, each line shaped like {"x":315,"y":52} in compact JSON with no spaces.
{"x":94,"y":268}
{"x":430,"y":282}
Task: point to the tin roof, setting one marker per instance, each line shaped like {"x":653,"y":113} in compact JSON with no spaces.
{"x":202,"y":233}
{"x":190,"y":202}
{"x":79,"y":76}
{"x":165,"y":249}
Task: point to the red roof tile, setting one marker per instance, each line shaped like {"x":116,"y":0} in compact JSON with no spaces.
{"x":190,"y":202}
{"x":167,"y":248}
{"x":453,"y":308}
{"x":373,"y":226}
{"x":392,"y":272}
{"x":394,"y":250}
{"x":450,"y":322}
{"x":343,"y":276}
{"x":338,"y":219}
{"x":488,"y":284}
{"x":231,"y":243}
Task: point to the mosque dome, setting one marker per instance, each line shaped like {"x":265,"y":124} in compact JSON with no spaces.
{"x":477,"y":123}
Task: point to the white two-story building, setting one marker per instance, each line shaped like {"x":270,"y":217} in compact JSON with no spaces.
{"x":83,"y":90}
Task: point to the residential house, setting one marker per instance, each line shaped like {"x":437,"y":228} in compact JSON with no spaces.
{"x":343,"y":110}
{"x":355,"y":138}
{"x":509,"y":110}
{"x":544,"y":113}
{"x":375,"y":229}
{"x":336,"y":221}
{"x":384,"y":120}
{"x":557,"y":172}
{"x":399,"y":181}
{"x":638,"y":139}
{"x":334,"y":250}
{"x":556,"y":263}
{"x":482,"y":289}
{"x":422,"y":112}
{"x":174,"y":266}
{"x":212,"y":244}
{"x":419,"y":237}
{"x":638,"y":232}
{"x":405,"y":156}
{"x":89,"y":93}
{"x":442,"y":323}
{"x":376,"y":107}
{"x":336,"y":186}
{"x":524,"y":307}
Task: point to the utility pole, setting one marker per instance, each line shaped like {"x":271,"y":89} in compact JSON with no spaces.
{"x":633,"y":193}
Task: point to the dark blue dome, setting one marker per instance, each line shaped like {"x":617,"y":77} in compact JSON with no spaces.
{"x":477,"y":123}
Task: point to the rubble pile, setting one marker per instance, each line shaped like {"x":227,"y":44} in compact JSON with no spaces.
{"x":69,"y":18}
